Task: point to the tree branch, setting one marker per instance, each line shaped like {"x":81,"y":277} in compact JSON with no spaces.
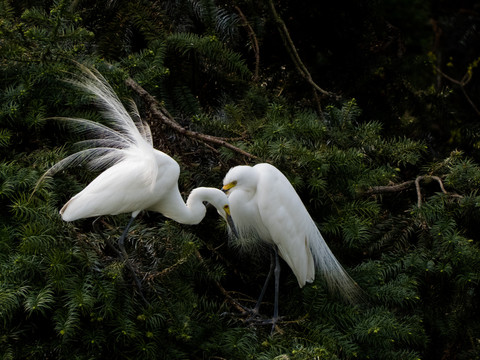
{"x":389,"y":188}
{"x":462,"y":83}
{"x":224,"y":292}
{"x":162,"y":114}
{"x":253,"y":37}
{"x":417,"y":186}
{"x":292,"y":51}
{"x":407,"y":184}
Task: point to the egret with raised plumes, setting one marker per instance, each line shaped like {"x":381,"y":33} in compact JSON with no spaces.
{"x":136,"y":176}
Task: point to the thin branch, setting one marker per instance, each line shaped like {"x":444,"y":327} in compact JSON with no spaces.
{"x":462,"y":83}
{"x":455,"y":81}
{"x":302,"y":69}
{"x":419,"y":191}
{"x":225,"y":293}
{"x":389,"y":188}
{"x":427,"y":177}
{"x":162,"y":114}
{"x":253,"y":37}
{"x":440,"y":182}
{"x":470,"y":101}
{"x":407,"y":184}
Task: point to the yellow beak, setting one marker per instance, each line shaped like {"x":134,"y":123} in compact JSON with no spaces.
{"x":227,"y":187}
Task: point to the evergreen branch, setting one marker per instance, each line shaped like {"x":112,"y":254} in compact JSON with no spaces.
{"x":162,"y":114}
{"x":253,"y":37}
{"x":122,"y":254}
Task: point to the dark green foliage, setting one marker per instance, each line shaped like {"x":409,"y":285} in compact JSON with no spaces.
{"x":64,"y":291}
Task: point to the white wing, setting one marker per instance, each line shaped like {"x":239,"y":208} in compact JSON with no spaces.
{"x":127,"y":136}
{"x":127,"y":187}
{"x":284,"y":215}
{"x":114,"y":191}
{"x":294,"y":232}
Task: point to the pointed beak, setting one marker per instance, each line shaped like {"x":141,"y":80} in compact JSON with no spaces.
{"x":227,"y":187}
{"x":232,"y":226}
{"x":230,"y":222}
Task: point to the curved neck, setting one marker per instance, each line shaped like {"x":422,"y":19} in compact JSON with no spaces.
{"x":194,"y":210}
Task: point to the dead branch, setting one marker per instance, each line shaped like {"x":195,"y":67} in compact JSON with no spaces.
{"x":162,"y":114}
{"x":292,"y":51}
{"x":461,"y":83}
{"x":427,"y":177}
{"x":253,"y":37}
{"x":389,"y":188}
{"x":225,"y":293}
{"x":407,"y":184}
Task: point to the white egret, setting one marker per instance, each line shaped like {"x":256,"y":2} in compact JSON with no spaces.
{"x":137,"y":176}
{"x":265,"y":205}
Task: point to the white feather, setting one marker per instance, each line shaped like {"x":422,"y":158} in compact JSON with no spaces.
{"x":263,"y":202}
{"x":135,"y":176}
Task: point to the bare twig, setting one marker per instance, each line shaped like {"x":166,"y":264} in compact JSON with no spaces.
{"x":253,"y":37}
{"x":225,"y":293}
{"x":419,"y":191}
{"x":407,"y":184}
{"x":427,"y":177}
{"x":292,"y":51}
{"x":461,"y":83}
{"x":389,"y":188}
{"x":162,"y":114}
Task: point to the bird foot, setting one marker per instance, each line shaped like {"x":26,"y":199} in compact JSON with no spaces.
{"x":246,"y":312}
{"x":258,"y":321}
{"x":254,"y":318}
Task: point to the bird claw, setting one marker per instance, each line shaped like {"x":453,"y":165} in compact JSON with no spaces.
{"x":258,"y":321}
{"x":254,"y":318}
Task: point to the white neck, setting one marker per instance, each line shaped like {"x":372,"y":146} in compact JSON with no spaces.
{"x":194,"y":210}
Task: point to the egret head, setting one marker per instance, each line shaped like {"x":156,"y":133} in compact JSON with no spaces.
{"x":243,"y":175}
{"x":215,"y":197}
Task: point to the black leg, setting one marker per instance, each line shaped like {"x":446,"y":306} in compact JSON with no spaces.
{"x":277,"y":288}
{"x":123,"y":254}
{"x":121,"y":241}
{"x":121,"y":245}
{"x":107,"y":241}
{"x":256,"y":310}
{"x":254,"y":318}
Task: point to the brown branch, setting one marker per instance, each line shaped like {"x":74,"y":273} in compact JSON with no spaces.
{"x":462,"y":83}
{"x":225,"y":293}
{"x":389,"y":188}
{"x":440,"y":183}
{"x":162,"y":114}
{"x":419,"y":191}
{"x":253,"y":37}
{"x":427,"y":177}
{"x":455,"y":81}
{"x":292,"y":51}
{"x":407,"y":184}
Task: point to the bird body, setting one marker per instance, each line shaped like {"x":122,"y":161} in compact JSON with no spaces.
{"x":136,"y":176}
{"x":126,"y":187}
{"x":263,"y":203}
